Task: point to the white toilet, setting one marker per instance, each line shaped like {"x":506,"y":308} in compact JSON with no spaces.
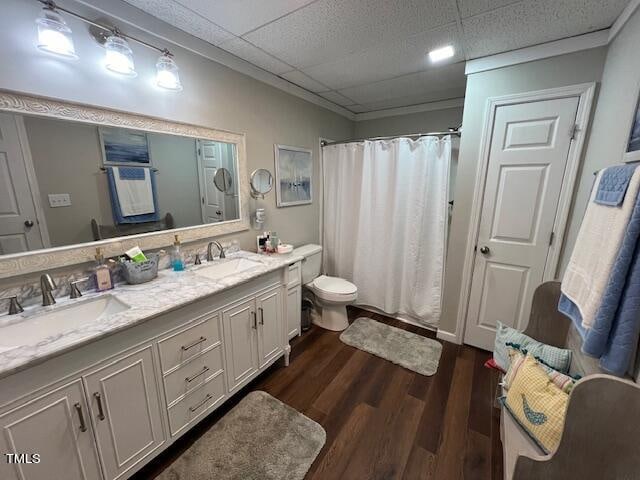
{"x":331,"y":294}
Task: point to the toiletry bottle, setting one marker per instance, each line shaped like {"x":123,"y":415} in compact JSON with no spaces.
{"x":104,"y":278}
{"x":177,"y":262}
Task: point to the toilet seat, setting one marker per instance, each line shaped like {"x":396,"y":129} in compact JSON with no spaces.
{"x":334,"y":289}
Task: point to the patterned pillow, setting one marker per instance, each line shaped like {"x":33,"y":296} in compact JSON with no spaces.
{"x":563,"y":381}
{"x":537,"y":404}
{"x":557,"y":358}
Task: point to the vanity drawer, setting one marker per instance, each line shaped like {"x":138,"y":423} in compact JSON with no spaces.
{"x":193,"y":374}
{"x":179,"y":347}
{"x":294,"y":275}
{"x":195,"y":404}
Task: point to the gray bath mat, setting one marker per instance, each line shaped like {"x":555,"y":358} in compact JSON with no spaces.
{"x":261,"y":438}
{"x":419,"y":354}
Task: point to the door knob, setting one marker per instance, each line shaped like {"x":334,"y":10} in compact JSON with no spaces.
{"x":28,"y":223}
{"x":484,"y":250}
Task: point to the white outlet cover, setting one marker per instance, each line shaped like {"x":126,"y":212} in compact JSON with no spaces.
{"x":59,"y":200}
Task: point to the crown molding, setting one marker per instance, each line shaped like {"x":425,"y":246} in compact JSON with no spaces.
{"x":539,"y":52}
{"x":422,"y":107}
{"x":623,"y":19}
{"x":124,"y":13}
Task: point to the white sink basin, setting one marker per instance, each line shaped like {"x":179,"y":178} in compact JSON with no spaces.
{"x":58,"y":320}
{"x":226,"y":268}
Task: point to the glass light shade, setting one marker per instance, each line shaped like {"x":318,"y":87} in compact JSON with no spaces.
{"x":167,"y":73}
{"x":119,"y":57}
{"x":54,"y":36}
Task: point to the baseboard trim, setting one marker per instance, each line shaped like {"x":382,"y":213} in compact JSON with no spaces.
{"x":448,"y":337}
{"x":402,"y":319}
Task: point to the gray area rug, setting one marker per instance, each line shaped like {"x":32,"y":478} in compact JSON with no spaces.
{"x":261,"y":438}
{"x":417,"y":353}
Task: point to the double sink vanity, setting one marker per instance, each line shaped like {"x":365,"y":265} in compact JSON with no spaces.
{"x":98,"y":386}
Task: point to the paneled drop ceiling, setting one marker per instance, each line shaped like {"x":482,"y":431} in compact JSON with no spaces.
{"x":368,"y":55}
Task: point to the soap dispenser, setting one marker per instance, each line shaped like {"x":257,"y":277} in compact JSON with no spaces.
{"x":103,"y":274}
{"x":177,"y":262}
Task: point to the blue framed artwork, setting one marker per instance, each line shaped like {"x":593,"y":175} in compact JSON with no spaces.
{"x":294,"y":169}
{"x":121,"y":146}
{"x":632,"y":153}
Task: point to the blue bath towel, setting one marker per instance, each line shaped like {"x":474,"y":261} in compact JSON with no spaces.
{"x":613,"y":185}
{"x":567,"y":307}
{"x":614,"y":334}
{"x":132,"y":173}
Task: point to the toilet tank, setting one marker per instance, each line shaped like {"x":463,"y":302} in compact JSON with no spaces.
{"x":312,"y":264}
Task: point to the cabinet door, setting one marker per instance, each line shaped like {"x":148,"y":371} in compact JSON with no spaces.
{"x":270,"y":325}
{"x":294,"y":309}
{"x":56,"y":427}
{"x":126,"y":411}
{"x":240,"y":341}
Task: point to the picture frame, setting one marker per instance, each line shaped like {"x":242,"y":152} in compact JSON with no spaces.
{"x":294,"y":175}
{"x":632,"y":151}
{"x":124,"y":147}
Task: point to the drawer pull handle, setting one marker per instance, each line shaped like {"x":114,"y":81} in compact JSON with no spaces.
{"x":261,"y":315}
{"x":98,"y":398}
{"x":193,"y":377}
{"x":83,"y":426}
{"x":191,"y":345}
{"x":196,"y":407}
{"x":255,"y":321}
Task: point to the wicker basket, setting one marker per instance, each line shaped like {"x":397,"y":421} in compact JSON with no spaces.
{"x":141,"y":272}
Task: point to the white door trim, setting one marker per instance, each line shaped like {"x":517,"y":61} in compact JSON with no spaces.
{"x":586,"y":92}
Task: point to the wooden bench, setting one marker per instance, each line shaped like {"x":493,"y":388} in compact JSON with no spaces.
{"x":601,"y":436}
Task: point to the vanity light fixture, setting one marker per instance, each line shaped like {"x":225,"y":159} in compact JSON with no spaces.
{"x":119,"y":56}
{"x":441,"y":53}
{"x":167,"y":75}
{"x":54,"y":35}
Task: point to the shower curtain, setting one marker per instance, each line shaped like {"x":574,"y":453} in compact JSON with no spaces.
{"x":385,"y":222}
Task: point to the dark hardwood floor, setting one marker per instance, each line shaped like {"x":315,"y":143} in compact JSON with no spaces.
{"x":382,"y":421}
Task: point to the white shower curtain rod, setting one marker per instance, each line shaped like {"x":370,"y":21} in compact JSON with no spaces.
{"x":455,"y":131}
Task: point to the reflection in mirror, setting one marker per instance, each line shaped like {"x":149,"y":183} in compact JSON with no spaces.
{"x":223,"y":180}
{"x":261,"y":182}
{"x":65,"y":183}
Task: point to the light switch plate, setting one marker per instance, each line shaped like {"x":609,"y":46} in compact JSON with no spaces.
{"x":59,"y":200}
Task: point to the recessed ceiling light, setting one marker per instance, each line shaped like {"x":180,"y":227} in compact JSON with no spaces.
{"x":441,"y":53}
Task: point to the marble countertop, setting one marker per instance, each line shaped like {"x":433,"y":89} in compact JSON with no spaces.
{"x":171,"y":290}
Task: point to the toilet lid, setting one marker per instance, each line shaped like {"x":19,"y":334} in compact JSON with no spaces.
{"x":334,"y":285}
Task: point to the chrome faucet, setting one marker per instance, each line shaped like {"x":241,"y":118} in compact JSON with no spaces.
{"x":210,"y":252}
{"x":47,"y":285}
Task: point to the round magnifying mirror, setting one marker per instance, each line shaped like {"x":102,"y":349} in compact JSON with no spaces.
{"x":223,"y":180}
{"x":261,"y":182}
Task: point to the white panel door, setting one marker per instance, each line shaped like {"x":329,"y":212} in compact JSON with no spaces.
{"x":270,"y":325}
{"x":125,"y":409}
{"x":240,"y":326}
{"x":212,"y":199}
{"x":294,"y":307}
{"x":56,"y":426}
{"x":527,"y":160}
{"x":19,"y":228}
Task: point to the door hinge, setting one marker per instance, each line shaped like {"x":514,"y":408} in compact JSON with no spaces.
{"x":553,"y":234}
{"x":574,"y":131}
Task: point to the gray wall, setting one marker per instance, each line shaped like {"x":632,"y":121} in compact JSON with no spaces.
{"x":214,"y":96}
{"x":575,"y":68}
{"x":422,"y":122}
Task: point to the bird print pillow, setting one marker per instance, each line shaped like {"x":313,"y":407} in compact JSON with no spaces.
{"x":537,"y":404}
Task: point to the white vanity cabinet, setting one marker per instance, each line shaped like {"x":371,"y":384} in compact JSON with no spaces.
{"x":103,"y":410}
{"x":294,"y":300}
{"x":56,"y":426}
{"x":125,"y":410}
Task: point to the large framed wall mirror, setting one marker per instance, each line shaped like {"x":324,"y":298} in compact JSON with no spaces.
{"x":74,"y":177}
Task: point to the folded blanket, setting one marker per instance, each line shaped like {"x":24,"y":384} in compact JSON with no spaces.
{"x":614,"y":334}
{"x":599,"y":239}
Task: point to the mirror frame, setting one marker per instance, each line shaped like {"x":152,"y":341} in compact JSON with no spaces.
{"x":56,"y":257}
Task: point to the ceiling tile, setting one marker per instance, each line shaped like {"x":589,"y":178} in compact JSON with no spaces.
{"x":433,"y":84}
{"x":242,"y":16}
{"x":330,"y":29}
{"x":469,"y":8}
{"x":184,"y":19}
{"x":393,"y":59}
{"x":243,"y":49}
{"x":338,"y":98}
{"x":529,"y":23}
{"x":304,"y":81}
